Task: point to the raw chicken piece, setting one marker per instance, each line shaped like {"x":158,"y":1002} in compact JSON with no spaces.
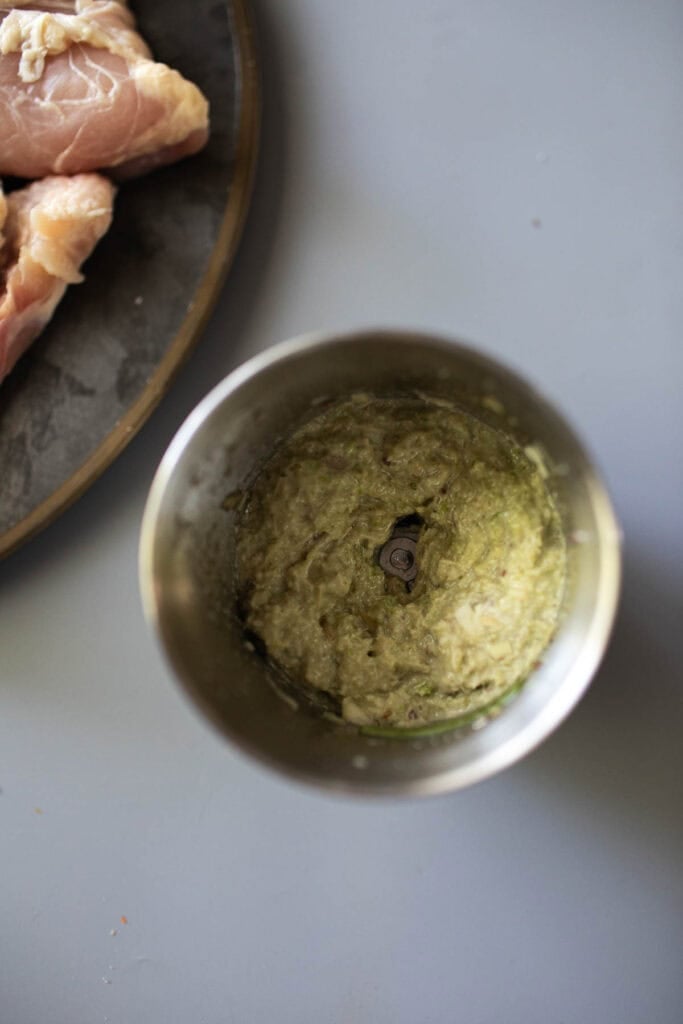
{"x":79,"y":91}
{"x":49,"y":228}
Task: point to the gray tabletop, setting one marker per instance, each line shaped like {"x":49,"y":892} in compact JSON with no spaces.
{"x":512,"y":173}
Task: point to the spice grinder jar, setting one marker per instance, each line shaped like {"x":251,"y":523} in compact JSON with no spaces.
{"x":188,"y":564}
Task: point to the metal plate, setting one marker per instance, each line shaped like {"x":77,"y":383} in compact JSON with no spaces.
{"x":87,"y":385}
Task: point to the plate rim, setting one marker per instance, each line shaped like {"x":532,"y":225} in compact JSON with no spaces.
{"x":187,"y":336}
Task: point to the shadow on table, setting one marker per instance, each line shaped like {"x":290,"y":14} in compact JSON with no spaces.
{"x":216,"y":354}
{"x":622,"y":748}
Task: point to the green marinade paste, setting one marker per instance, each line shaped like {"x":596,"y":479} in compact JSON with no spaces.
{"x":490,"y":557}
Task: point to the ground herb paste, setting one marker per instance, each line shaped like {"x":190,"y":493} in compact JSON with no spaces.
{"x":490,"y":556}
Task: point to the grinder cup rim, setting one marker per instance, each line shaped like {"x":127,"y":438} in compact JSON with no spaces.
{"x":510,"y":744}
